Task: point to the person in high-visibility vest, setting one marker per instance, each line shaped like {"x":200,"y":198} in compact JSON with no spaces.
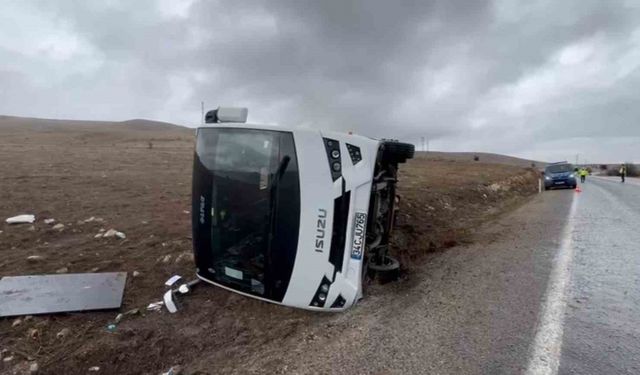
{"x":623,"y":172}
{"x":583,"y":174}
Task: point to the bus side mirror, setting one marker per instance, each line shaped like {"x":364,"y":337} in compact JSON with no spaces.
{"x":211,"y":117}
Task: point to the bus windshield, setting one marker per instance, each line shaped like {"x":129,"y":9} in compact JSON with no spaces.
{"x":248,"y":209}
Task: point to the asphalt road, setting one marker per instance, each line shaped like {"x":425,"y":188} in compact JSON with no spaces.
{"x":552,"y":288}
{"x":602,"y":324}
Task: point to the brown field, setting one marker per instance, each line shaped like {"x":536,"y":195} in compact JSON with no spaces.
{"x":136,"y":177}
{"x":483,"y":157}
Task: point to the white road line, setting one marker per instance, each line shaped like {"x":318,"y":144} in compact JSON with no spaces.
{"x":546,"y":348}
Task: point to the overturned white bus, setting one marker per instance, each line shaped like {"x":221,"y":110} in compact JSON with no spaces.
{"x":292,"y":216}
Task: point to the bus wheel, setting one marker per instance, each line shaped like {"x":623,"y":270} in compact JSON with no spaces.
{"x":386,"y":270}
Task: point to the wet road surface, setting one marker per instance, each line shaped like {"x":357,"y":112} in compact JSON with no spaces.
{"x":602,"y":323}
{"x":551,"y":288}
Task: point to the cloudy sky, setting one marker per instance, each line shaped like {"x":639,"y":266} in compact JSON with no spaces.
{"x":541,"y":79}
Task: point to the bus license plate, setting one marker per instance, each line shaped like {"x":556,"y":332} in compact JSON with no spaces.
{"x":359,"y":228}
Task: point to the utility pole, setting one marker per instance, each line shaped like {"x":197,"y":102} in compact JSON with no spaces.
{"x":577,"y":158}
{"x":202,"y":113}
{"x":424,"y":144}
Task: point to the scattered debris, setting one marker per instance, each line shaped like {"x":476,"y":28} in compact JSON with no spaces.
{"x":16,"y":323}
{"x":113,"y":233}
{"x":33,"y":368}
{"x":166,"y":258}
{"x":34,"y":258}
{"x":110,"y":233}
{"x":34,"y":333}
{"x":187,"y":256}
{"x":94,"y":369}
{"x":98,"y":235}
{"x":132,"y":312}
{"x":172,"y":280}
{"x":111,"y":328}
{"x":31,"y":228}
{"x":62,"y":270}
{"x":170,"y":294}
{"x":63,"y":333}
{"x":58,"y":226}
{"x":7,"y":359}
{"x":184,"y":289}
{"x":155,"y":306}
{"x":121,"y":316}
{"x":21,"y":219}
{"x":168,"y":302}
{"x":174,"y":370}
{"x":40,"y":294}
{"x":136,"y":274}
{"x":185,"y":212}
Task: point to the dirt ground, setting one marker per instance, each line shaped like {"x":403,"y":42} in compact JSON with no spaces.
{"x":482,"y":157}
{"x":135,"y":177}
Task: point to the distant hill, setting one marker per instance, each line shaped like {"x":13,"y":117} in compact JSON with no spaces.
{"x":483,"y":157}
{"x":142,"y":124}
{"x":41,"y":123}
{"x":140,"y":132}
{"x":47,"y":131}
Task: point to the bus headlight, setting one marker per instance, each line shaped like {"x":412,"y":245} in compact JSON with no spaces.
{"x":320,"y":298}
{"x":333,"y":153}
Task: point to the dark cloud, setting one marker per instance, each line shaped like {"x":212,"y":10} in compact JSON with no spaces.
{"x":503,"y":76}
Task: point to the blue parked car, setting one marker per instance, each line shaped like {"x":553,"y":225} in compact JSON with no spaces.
{"x":559,"y":175}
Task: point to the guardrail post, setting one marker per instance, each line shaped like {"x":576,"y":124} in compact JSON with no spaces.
{"x":539,"y":185}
